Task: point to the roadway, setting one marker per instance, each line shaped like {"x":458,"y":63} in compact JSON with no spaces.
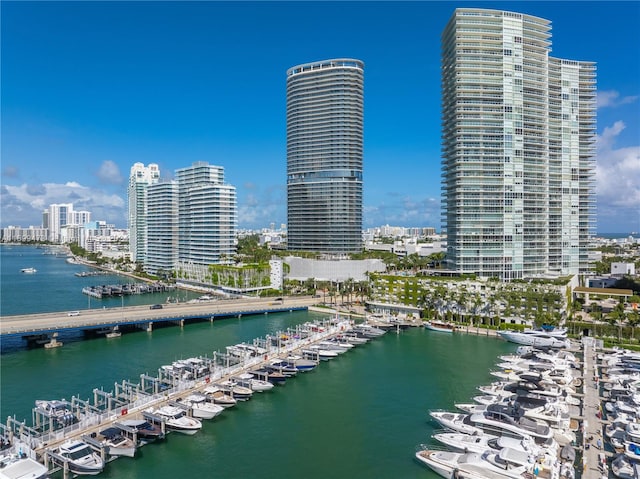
{"x":91,"y":318}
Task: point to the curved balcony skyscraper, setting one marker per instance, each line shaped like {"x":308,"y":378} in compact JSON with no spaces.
{"x":325,"y":108}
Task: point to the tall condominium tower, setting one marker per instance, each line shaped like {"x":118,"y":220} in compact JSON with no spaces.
{"x":324,"y":156}
{"x":139,"y":179}
{"x":162,"y":227}
{"x":207,"y":215}
{"x":518,"y":148}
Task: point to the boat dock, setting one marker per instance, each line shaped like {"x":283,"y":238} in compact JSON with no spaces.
{"x":109,"y":290}
{"x":62,"y":421}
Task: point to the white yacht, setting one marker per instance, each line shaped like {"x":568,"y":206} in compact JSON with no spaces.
{"x":624,"y":468}
{"x":201,"y":407}
{"x":18,"y":466}
{"x":507,"y":463}
{"x":497,"y":420}
{"x":236,"y":391}
{"x":83,"y":460}
{"x":556,"y":338}
{"x":479,"y":443}
{"x":177,"y":419}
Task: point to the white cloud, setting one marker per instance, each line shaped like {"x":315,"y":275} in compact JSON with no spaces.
{"x":611,"y":98}
{"x":617,"y":183}
{"x":109,"y":173}
{"x":23,"y":205}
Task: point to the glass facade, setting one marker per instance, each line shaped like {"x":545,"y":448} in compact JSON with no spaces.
{"x":518,"y":134}
{"x":325,"y":109}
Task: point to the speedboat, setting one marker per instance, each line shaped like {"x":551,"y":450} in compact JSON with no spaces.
{"x":28,"y":270}
{"x":201,"y":407}
{"x":116,"y":442}
{"x":81,"y":458}
{"x":19,"y":466}
{"x":248,"y":380}
{"x":322,"y":354}
{"x":146,"y":431}
{"x":300,"y":363}
{"x":440,"y":326}
{"x":218,"y":396}
{"x":177,"y":419}
{"x":236,"y":391}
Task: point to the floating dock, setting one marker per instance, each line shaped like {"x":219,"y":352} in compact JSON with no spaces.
{"x":59,"y":421}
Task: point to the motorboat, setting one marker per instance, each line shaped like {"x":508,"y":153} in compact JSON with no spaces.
{"x":219,"y":396}
{"x":323,"y":354}
{"x":624,"y":468}
{"x":507,"y":463}
{"x":300,"y":363}
{"x":82,"y":460}
{"x":116,"y":442}
{"x":479,"y":443}
{"x":18,"y":466}
{"x":283,"y":366}
{"x":496,"y":420}
{"x":632,"y":450}
{"x":367,"y":331}
{"x":201,"y":407}
{"x":353,"y":338}
{"x":271,"y":375}
{"x":28,"y":270}
{"x":145,"y":431}
{"x":248,"y":380}
{"x":556,"y":338}
{"x":440,"y":326}
{"x":176,"y":419}
{"x":236,"y":391}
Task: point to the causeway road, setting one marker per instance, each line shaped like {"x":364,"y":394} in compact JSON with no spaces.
{"x":89,"y":318}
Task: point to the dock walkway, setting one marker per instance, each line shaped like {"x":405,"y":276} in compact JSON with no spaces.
{"x":592,"y":467}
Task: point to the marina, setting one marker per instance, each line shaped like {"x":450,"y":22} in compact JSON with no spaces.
{"x":80,"y":437}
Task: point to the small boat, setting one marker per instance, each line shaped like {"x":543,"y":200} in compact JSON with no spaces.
{"x":28,"y":270}
{"x":273,"y":376}
{"x":145,"y":431}
{"x":201,"y":407}
{"x":440,"y":326}
{"x":82,"y":460}
{"x":300,"y":363}
{"x":248,"y":380}
{"x":177,"y":419}
{"x":19,"y":466}
{"x":236,"y":391}
{"x":116,"y":442}
{"x":216,"y":395}
{"x":114,"y":333}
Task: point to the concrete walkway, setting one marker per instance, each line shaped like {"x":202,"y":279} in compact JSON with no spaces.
{"x":592,"y":467}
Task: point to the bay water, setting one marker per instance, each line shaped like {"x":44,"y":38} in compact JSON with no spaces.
{"x":359,"y":415}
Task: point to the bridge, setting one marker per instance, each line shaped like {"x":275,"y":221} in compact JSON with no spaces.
{"x":34,"y":325}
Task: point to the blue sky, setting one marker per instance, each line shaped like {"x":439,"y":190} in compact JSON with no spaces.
{"x":89,"y":88}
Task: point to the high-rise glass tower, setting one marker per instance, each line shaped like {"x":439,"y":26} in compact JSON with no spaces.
{"x":139,"y":178}
{"x":207,"y":215}
{"x":162,"y":227}
{"x":518,"y":129}
{"x":325,"y":109}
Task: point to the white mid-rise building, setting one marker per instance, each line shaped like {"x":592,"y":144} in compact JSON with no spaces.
{"x":140,"y":178}
{"x":61,"y":216}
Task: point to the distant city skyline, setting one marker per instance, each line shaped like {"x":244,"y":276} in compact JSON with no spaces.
{"x":90,"y":88}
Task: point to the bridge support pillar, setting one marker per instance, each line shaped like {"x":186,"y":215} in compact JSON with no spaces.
{"x":149,"y":327}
